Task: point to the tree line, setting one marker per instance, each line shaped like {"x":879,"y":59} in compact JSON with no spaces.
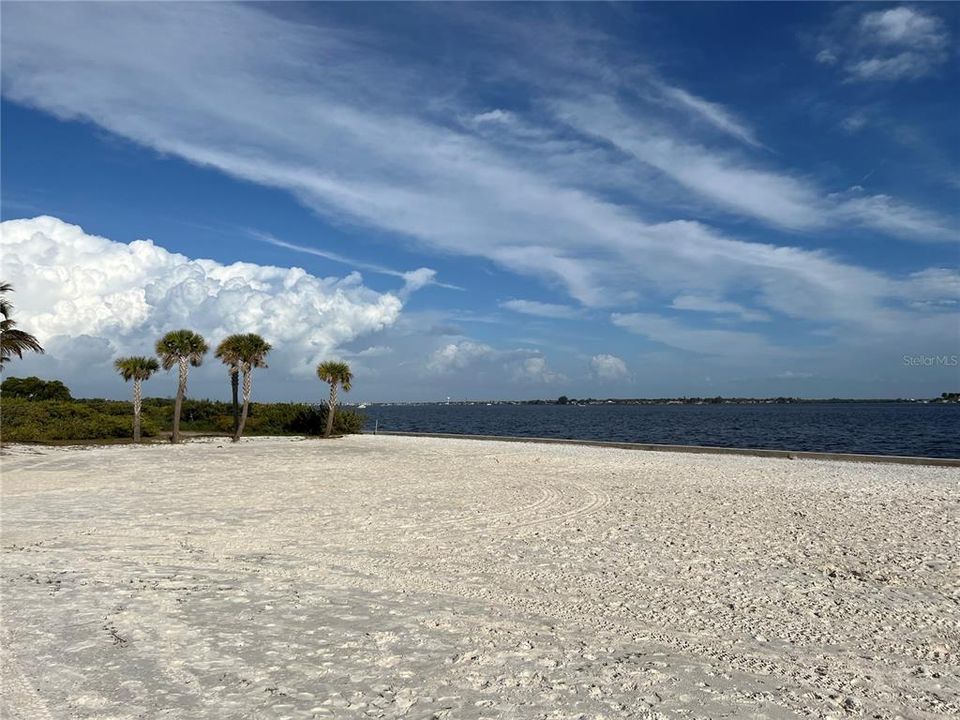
{"x":183,"y":349}
{"x":241,"y":353}
{"x":36,"y":410}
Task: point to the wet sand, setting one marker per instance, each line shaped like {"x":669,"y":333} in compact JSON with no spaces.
{"x":431,"y":578}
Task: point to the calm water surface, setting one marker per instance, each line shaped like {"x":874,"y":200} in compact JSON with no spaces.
{"x":874,"y":428}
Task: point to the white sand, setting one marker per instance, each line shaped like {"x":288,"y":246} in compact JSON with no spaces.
{"x":402,"y":577}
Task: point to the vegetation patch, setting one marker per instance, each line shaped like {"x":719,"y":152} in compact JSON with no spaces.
{"x":23,"y":419}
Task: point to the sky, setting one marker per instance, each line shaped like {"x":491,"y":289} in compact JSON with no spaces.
{"x":489,"y":201}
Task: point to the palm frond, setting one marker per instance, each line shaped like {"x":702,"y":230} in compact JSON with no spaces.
{"x":13,"y":341}
{"x":181,"y":344}
{"x":254,"y":350}
{"x":17,"y":342}
{"x":335,"y":372}
{"x":136,"y":368}
{"x":244,"y":349}
{"x":6,"y":307}
{"x":229,"y":352}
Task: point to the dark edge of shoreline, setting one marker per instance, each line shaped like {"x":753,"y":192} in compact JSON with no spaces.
{"x":703,"y":449}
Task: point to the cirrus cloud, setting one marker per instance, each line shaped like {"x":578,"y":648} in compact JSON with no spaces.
{"x":542,"y":309}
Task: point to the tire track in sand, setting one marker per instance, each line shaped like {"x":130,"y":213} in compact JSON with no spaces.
{"x":18,"y":700}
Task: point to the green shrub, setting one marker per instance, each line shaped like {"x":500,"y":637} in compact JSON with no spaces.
{"x":310,"y":420}
{"x":346,"y":422}
{"x":33,"y":388}
{"x":50,"y":420}
{"x":24,"y":420}
{"x":223,"y":424}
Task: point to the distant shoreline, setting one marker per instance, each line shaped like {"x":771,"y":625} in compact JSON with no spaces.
{"x":952,"y":400}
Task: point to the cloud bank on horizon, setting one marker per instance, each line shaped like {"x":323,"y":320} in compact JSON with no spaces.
{"x":616,"y":231}
{"x":110,"y":299}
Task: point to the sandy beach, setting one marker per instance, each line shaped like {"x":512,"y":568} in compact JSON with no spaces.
{"x":392,"y":577}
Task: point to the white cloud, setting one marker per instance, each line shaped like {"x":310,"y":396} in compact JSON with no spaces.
{"x":416,"y":279}
{"x":902,"y":66}
{"x":723,"y":179}
{"x":360,"y":137}
{"x":826,"y":57}
{"x":373,"y":351}
{"x":541,"y":309}
{"x":854,"y":123}
{"x":80,"y":290}
{"x":704,"y":341}
{"x":713,"y":113}
{"x":520,"y":365}
{"x":932,"y":289}
{"x":793,"y":375}
{"x":773,"y":197}
{"x":494,"y":116}
{"x":900,"y":43}
{"x":608,"y":367}
{"x":714,"y":305}
{"x":413,"y":279}
{"x":457,"y":356}
{"x":893,"y":217}
{"x":904,"y":26}
{"x":535,"y":369}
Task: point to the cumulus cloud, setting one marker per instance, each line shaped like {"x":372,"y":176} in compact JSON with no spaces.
{"x":608,"y":367}
{"x":519,"y":365}
{"x":89,"y":294}
{"x":535,"y":370}
{"x":457,"y":356}
{"x":899,"y":43}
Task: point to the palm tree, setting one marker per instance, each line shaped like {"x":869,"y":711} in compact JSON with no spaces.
{"x":228,"y":352}
{"x":13,"y":341}
{"x":335,"y":373}
{"x":181,"y":348}
{"x":253,"y":351}
{"x":137,"y":369}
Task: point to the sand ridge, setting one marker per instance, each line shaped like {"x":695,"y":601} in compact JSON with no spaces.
{"x":418,"y":577}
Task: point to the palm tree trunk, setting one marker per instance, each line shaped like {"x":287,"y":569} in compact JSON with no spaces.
{"x":234,"y":383}
{"x":137,"y":402}
{"x":331,"y":408}
{"x":247,"y":386}
{"x":181,"y":391}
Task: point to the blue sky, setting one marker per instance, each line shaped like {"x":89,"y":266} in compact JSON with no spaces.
{"x":491,"y":201}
